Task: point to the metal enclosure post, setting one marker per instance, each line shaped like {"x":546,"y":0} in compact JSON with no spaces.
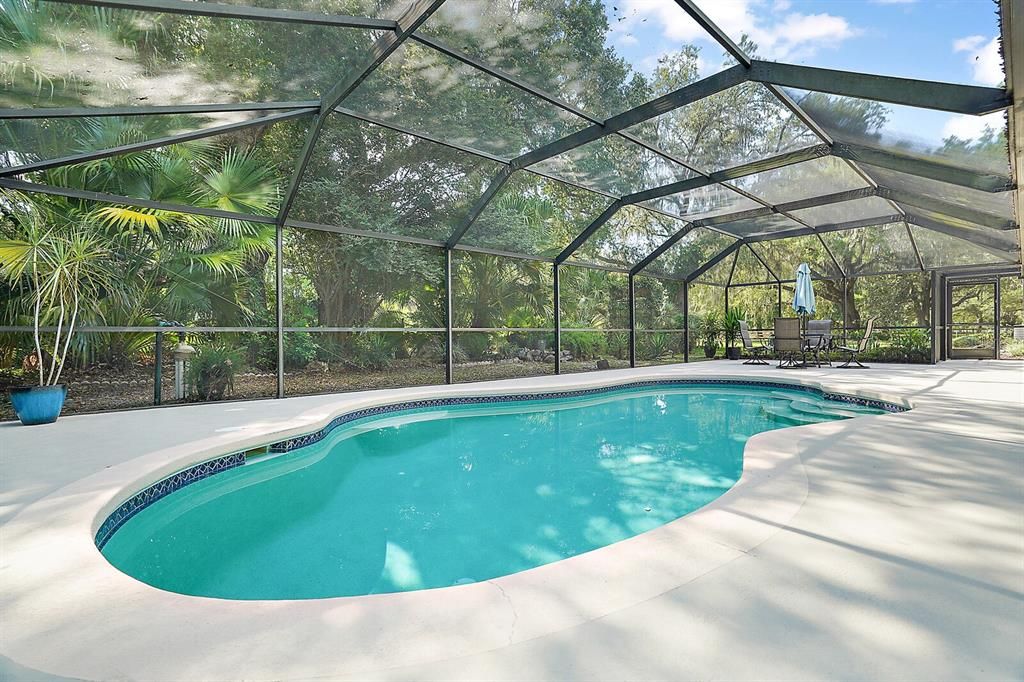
{"x":846,"y":321}
{"x":686,"y":321}
{"x":778,"y":306}
{"x":557,"y":296}
{"x":449,"y":340}
{"x":998,"y":311}
{"x":158,"y":369}
{"x":632,"y":320}
{"x":932,"y":317}
{"x":279,"y":304}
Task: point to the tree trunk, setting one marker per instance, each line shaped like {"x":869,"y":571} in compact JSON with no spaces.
{"x":850,"y":303}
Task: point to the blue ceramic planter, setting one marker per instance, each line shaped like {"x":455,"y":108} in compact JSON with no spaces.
{"x":38,"y":404}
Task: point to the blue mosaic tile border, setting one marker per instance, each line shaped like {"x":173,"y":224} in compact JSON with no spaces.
{"x":162,"y":488}
{"x":166,"y":486}
{"x":317,"y":436}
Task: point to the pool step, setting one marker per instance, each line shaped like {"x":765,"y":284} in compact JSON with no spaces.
{"x":809,"y":398}
{"x":784,"y":414}
{"x":819,"y":408}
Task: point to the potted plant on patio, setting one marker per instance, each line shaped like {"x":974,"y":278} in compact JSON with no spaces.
{"x":709,"y":332}
{"x":731,"y":330}
{"x":61,"y":266}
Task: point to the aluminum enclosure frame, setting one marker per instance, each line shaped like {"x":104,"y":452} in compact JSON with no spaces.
{"x":963,"y":99}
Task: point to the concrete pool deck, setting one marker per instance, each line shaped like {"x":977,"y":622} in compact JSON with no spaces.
{"x":885,"y":547}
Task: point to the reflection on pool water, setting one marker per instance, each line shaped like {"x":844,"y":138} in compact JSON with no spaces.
{"x":444,"y":496}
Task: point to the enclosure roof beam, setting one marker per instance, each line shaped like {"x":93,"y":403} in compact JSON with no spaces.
{"x":662,"y":248}
{"x":724,"y":40}
{"x":644,"y":112}
{"x":1008,"y":250}
{"x":764,"y":264}
{"x":826,"y":199}
{"x":621,"y":268}
{"x":384,"y":47}
{"x":718,"y":177}
{"x":722,"y":176}
{"x":353,"y":232}
{"x":414,"y":16}
{"x":501,"y":252}
{"x":712,"y":28}
{"x":211,"y":9}
{"x":701,"y":19}
{"x":516,"y":82}
{"x":503,"y":76}
{"x":913,"y":245}
{"x":732,"y":268}
{"x":946,"y":208}
{"x":613,"y":125}
{"x":153,"y":144}
{"x":87,"y":195}
{"x":784,"y":208}
{"x":959,"y":99}
{"x":833,"y":227}
{"x":583,"y":236}
{"x":419,"y":135}
{"x":926,"y":168}
{"x":1001,"y":249}
{"x":159,"y":110}
{"x":497,"y":183}
{"x":722,"y":255}
{"x":463,"y":148}
{"x":952,"y":210}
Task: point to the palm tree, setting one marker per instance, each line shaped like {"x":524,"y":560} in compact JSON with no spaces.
{"x":171,"y":264}
{"x":185,"y":267}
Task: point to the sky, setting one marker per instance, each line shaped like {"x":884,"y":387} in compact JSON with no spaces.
{"x":945,"y":40}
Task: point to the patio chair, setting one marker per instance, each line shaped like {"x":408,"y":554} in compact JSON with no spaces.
{"x":819,"y":340}
{"x":756,"y":353}
{"x":788,"y":343}
{"x":853,"y":352}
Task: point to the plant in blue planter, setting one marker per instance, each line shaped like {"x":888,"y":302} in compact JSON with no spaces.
{"x":65,"y":266}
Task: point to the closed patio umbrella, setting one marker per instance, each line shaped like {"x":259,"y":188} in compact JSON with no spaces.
{"x":803,"y":296}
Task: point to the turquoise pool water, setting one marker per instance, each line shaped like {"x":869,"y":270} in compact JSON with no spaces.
{"x":443,"y":496}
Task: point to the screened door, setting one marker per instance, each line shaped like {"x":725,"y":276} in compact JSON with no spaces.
{"x":973,"y":322}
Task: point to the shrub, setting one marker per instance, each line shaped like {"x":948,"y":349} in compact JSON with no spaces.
{"x":915,"y":344}
{"x":459,"y":353}
{"x":618,"y":345}
{"x":475,"y":344}
{"x":505,"y":349}
{"x":1012,"y":348}
{"x":374,"y":351}
{"x":211,"y":372}
{"x":585,"y":345}
{"x":696,"y":326}
{"x":299,"y":350}
{"x":654,"y":345}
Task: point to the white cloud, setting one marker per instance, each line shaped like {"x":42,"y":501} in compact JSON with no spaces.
{"x":968,"y":44}
{"x":988,"y":67}
{"x":983,"y":57}
{"x":893,"y":2}
{"x":800,"y":29}
{"x":969,"y":127}
{"x":787,"y":36}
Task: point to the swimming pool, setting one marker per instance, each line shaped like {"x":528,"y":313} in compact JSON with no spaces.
{"x":446,"y":492}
